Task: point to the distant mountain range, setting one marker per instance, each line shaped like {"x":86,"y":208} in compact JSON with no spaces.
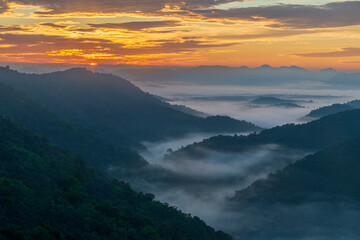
{"x":221,"y":75}
{"x":264,"y":75}
{"x":260,"y":76}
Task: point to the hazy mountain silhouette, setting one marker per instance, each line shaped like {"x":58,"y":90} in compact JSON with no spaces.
{"x":34,"y":116}
{"x":221,"y":75}
{"x":113,"y":108}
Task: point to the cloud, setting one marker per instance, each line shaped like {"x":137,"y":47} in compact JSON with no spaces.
{"x":3,"y":6}
{"x":53,"y":25}
{"x":24,"y":45}
{"x":344,"y":52}
{"x":112,"y":6}
{"x":137,"y":26}
{"x":336,"y":14}
{"x":11,"y":28}
{"x":265,"y":34}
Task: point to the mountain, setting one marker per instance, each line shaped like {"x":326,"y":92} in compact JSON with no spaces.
{"x":333,"y":109}
{"x":48,"y":193}
{"x":325,"y":132}
{"x":30,"y":113}
{"x":276,"y":102}
{"x":187,"y":110}
{"x":317,"y":197}
{"x":345,"y":80}
{"x":222,"y":75}
{"x":328,"y":175}
{"x":113,"y":108}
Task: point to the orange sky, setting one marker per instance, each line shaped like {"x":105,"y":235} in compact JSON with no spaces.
{"x":175,"y":32}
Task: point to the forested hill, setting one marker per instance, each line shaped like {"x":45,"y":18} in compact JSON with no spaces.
{"x":331,"y":174}
{"x":112,"y":107}
{"x":333,"y":109}
{"x":318,"y":196}
{"x":47,"y":193}
{"x":31,"y":114}
{"x":325,"y":132}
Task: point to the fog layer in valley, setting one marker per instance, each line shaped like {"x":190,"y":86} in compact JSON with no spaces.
{"x":204,"y":185}
{"x":201,"y":186}
{"x":236,"y":101}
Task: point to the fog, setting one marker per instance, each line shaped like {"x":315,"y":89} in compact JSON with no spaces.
{"x":204,"y":186}
{"x":235,"y":101}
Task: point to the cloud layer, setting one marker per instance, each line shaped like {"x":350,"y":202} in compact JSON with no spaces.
{"x":337,"y":14}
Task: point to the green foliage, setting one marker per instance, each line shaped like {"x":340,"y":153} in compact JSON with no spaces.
{"x":47,"y":193}
{"x":329,"y":175}
{"x":325,"y":132}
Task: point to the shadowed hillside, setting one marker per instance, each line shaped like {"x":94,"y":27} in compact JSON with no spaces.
{"x":113,"y":108}
{"x":47,"y":193}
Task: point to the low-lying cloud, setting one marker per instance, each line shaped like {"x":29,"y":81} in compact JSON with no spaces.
{"x":201,"y":186}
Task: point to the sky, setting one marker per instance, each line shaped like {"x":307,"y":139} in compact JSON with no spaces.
{"x":312,"y":34}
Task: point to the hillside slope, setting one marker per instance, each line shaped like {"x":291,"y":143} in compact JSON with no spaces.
{"x":112,"y":107}
{"x":315,"y":135}
{"x":333,"y":109}
{"x":314,"y":198}
{"x":18,"y":106}
{"x":47,"y":193}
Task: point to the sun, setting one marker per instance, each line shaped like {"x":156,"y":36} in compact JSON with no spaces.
{"x":93,"y":64}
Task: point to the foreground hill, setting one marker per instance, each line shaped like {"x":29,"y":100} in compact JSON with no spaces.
{"x":112,"y":107}
{"x":314,"y":198}
{"x":325,"y":132}
{"x":47,"y":193}
{"x":20,"y":107}
{"x":333,"y":109}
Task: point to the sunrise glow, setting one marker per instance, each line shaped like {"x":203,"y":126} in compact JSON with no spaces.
{"x":188,"y":33}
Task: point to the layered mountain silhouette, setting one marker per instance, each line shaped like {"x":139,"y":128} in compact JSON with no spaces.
{"x":325,"y":132}
{"x":113,"y":108}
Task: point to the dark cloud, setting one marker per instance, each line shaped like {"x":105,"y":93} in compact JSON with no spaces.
{"x":11,"y":28}
{"x":266,"y":34}
{"x":39,"y":43}
{"x":337,"y":14}
{"x":344,"y":52}
{"x":136,"y":26}
{"x":3,"y":6}
{"x":53,"y":25}
{"x":110,"y":6}
{"x":180,"y":46}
